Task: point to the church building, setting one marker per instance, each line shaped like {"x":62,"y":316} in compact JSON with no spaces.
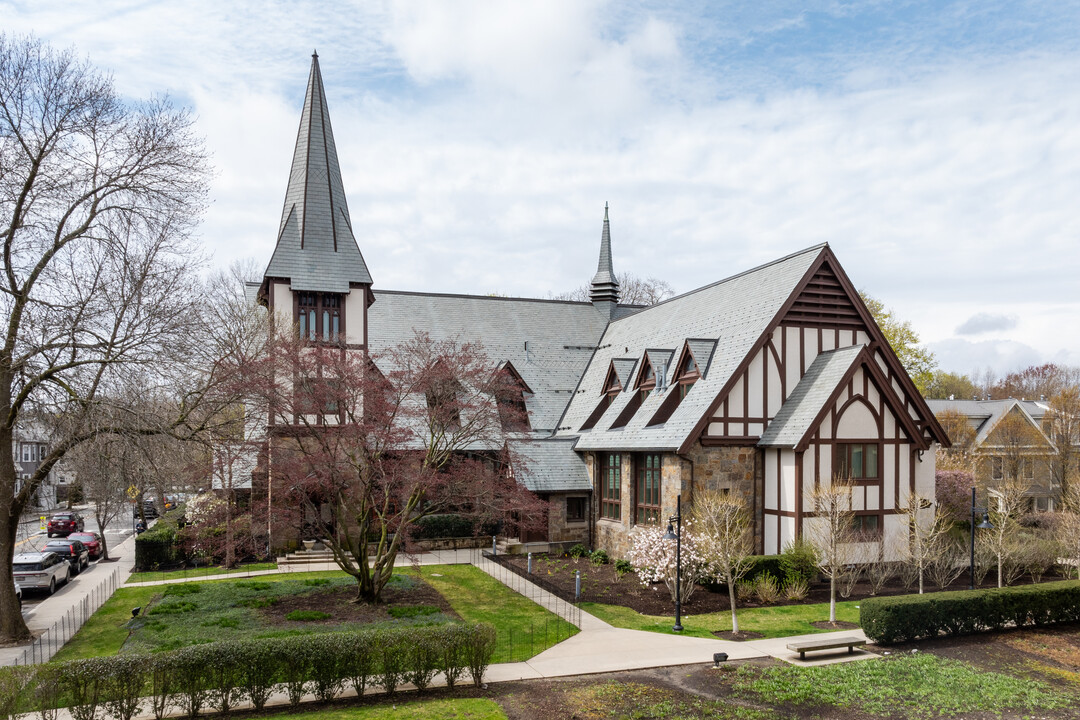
{"x":765,"y":384}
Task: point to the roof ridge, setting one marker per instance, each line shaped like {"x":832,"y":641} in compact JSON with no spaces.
{"x":812,"y":248}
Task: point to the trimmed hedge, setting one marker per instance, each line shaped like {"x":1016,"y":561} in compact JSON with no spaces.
{"x":221,"y":675}
{"x":888,"y":620}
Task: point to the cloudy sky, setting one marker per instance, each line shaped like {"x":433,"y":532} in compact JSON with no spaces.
{"x":934,"y":145}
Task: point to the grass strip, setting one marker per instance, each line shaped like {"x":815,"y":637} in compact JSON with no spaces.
{"x":460,"y":709}
{"x":524,"y":628}
{"x":195,"y":573}
{"x":910,"y":686}
{"x":772,"y":622}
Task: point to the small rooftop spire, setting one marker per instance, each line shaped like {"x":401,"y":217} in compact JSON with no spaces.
{"x":604,"y":290}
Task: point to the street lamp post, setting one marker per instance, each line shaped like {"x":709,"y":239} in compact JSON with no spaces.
{"x":984,"y":525}
{"x":677,"y":537}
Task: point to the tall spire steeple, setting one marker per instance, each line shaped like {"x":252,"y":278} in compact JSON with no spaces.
{"x":604,"y":290}
{"x":315,"y":248}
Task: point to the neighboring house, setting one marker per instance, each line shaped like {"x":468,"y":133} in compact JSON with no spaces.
{"x":764,"y":384}
{"x":1009,"y":445}
{"x":30,"y":447}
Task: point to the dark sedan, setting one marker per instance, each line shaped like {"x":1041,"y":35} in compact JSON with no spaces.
{"x":64,"y":524}
{"x":71,"y":550}
{"x":91,"y":540}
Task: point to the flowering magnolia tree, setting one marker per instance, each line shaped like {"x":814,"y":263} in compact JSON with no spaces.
{"x":653,"y":558}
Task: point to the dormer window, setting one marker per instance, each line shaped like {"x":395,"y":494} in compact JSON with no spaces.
{"x":646,"y":383}
{"x":612,"y":388}
{"x":319,"y":316}
{"x":686,"y":374}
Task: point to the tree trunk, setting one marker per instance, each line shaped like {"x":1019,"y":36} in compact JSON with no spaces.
{"x":832,"y":595}
{"x":731,"y":599}
{"x":999,"y":568}
{"x":12,"y":626}
{"x":102,"y":521}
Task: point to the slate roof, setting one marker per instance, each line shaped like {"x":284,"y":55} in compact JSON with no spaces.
{"x":736,"y":311}
{"x":561,"y":337}
{"x":315,"y":248}
{"x":552,"y":466}
{"x":808,"y":398}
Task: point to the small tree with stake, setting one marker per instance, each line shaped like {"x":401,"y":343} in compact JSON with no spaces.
{"x":723,"y":539}
{"x":832,"y":531}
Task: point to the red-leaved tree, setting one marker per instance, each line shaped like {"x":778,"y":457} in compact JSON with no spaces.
{"x":363,"y":446}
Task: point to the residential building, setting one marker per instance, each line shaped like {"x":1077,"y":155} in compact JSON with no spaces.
{"x":766,"y":384}
{"x":1008,"y":445}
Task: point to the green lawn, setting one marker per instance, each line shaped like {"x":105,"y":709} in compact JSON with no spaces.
{"x":464,"y":709}
{"x":524,"y":628}
{"x":183,"y":614}
{"x":195,"y":573}
{"x":909,"y":686}
{"x":779,"y":621}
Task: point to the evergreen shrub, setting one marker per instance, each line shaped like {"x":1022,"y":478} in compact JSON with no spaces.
{"x":887,"y":620}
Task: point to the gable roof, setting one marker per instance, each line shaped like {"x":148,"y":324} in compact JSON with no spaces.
{"x":796,"y":417}
{"x":735,"y":310}
{"x":985,"y":415}
{"x":315,"y":247}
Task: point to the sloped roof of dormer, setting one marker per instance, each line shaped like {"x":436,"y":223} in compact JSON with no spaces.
{"x":316,"y":249}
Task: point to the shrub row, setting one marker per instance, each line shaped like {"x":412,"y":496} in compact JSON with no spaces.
{"x":159,"y":546}
{"x":218,"y":676}
{"x":911,"y":617}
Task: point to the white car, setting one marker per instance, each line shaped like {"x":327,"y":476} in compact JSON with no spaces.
{"x":40,"y":571}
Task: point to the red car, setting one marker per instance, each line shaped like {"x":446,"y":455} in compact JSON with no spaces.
{"x":91,"y":540}
{"x":63,"y":524}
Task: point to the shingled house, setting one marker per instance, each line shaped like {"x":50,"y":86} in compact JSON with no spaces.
{"x":764,"y":384}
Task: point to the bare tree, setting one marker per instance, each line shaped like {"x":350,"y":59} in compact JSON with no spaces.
{"x":633,"y":290}
{"x":1067,"y":529}
{"x":722,"y":524}
{"x":98,"y":197}
{"x":1006,"y":503}
{"x":946,"y":560}
{"x":832,"y":532}
{"x":959,"y":456}
{"x":1061,"y":423}
{"x":925,"y":530}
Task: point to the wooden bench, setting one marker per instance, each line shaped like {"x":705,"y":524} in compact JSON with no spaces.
{"x":825,"y":644}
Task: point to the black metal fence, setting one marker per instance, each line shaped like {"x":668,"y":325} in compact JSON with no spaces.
{"x":538,"y":589}
{"x":49,"y":642}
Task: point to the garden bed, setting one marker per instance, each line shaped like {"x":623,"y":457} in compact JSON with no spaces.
{"x":602,"y":584}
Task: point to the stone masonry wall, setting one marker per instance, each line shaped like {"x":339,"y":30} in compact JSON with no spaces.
{"x":735,"y":469}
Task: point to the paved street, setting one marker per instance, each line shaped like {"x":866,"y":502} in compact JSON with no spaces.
{"x":32,"y":537}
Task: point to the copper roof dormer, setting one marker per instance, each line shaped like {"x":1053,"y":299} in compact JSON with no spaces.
{"x":604,"y":289}
{"x":316,"y":250}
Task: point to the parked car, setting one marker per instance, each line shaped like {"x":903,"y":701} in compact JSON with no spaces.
{"x":63,"y":524}
{"x":40,"y":571}
{"x":91,"y":540}
{"x":71,"y":550}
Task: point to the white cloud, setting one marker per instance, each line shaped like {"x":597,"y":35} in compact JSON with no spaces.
{"x":479,"y":141}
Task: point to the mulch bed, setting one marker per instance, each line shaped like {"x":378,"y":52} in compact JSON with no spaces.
{"x":601,"y":584}
{"x":338,"y":604}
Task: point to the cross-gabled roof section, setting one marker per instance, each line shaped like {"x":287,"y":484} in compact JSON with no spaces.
{"x":622,"y":369}
{"x":736,"y":311}
{"x":316,"y":250}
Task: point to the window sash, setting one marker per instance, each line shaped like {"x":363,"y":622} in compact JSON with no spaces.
{"x":860,"y":461}
{"x":611,"y":487}
{"x":648,"y":490}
